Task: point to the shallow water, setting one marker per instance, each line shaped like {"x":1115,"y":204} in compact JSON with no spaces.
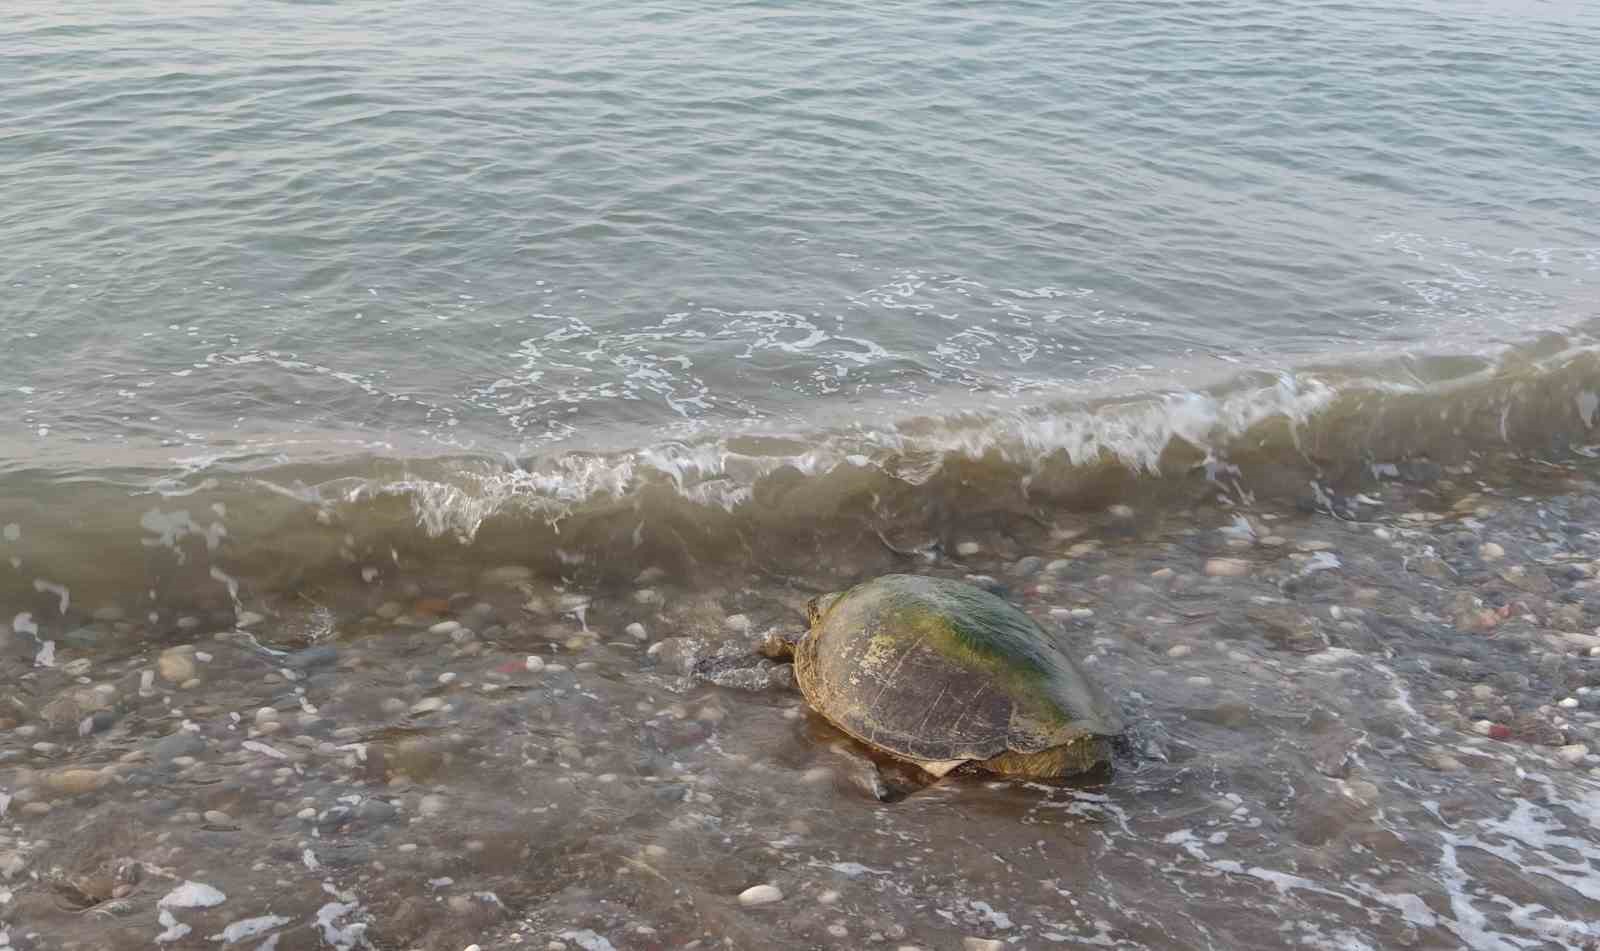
{"x":353,"y":354}
{"x":1370,"y":729}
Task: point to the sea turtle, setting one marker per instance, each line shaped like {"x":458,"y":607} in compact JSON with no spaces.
{"x":940,"y":673}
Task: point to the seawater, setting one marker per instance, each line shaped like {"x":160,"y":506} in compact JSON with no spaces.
{"x":351,"y":354}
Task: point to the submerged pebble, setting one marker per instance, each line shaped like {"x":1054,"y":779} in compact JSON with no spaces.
{"x":760,"y":895}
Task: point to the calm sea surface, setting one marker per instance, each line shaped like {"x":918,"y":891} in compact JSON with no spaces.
{"x":492,"y":226}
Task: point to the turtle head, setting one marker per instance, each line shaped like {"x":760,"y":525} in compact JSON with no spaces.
{"x":818,"y":606}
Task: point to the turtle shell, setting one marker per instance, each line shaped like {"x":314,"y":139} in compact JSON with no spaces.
{"x":934,"y":670}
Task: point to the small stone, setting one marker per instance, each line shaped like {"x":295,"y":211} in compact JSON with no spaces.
{"x":1059,"y":566}
{"x":1199,"y":681}
{"x":217,"y":817}
{"x":389,"y":610}
{"x":1499,"y":731}
{"x":981,"y":944}
{"x":1573,"y":753}
{"x":75,"y":782}
{"x":1162,"y":574}
{"x":637,"y":631}
{"x":428,"y":705}
{"x":828,"y":897}
{"x":968,"y":549}
{"x":445,"y":627}
{"x":432,"y":805}
{"x":307,"y":814}
{"x":737,"y":623}
{"x":1027,"y":567}
{"x":1568,"y":703}
{"x":1483,"y":691}
{"x":1180,"y":650}
{"x":108,"y":613}
{"x":176,"y":666}
{"x":534,"y":664}
{"x":1227,"y":567}
{"x":760,"y":895}
{"x":1491,"y":552}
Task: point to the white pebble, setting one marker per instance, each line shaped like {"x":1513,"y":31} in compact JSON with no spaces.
{"x":428,"y":705}
{"x":760,"y":895}
{"x":1568,"y":703}
{"x":968,"y":549}
{"x":637,"y":631}
{"x":534,"y":663}
{"x":1491,"y":552}
{"x":737,"y":622}
{"x":1180,"y":650}
{"x":445,"y":627}
{"x":1573,"y":752}
{"x":432,"y":805}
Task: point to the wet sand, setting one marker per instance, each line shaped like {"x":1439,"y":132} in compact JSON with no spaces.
{"x":1368,"y":722}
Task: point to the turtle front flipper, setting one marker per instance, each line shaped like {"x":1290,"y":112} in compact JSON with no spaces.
{"x":779,"y":645}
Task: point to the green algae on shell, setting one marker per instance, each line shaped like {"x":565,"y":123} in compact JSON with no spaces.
{"x":940,"y":672}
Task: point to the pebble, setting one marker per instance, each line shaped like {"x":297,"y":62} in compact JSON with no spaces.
{"x":217,"y":817}
{"x":737,"y":622}
{"x":445,"y":627}
{"x":1060,"y":566}
{"x":389,"y":610}
{"x":1199,"y":681}
{"x":981,"y":944}
{"x":1573,"y":752}
{"x":75,"y":782}
{"x":1227,"y":567}
{"x":1491,"y":552}
{"x":534,"y":663}
{"x":175,"y":666}
{"x":428,"y":705}
{"x":1180,"y":650}
{"x":432,"y":804}
{"x":1027,"y":567}
{"x":637,"y":631}
{"x":760,"y":895}
{"x":968,"y":549}
{"x":1569,"y":703}
{"x":1483,"y":691}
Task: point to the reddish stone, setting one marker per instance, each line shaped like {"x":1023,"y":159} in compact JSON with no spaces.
{"x":432,"y":606}
{"x":513,"y":667}
{"x":1499,"y":731}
